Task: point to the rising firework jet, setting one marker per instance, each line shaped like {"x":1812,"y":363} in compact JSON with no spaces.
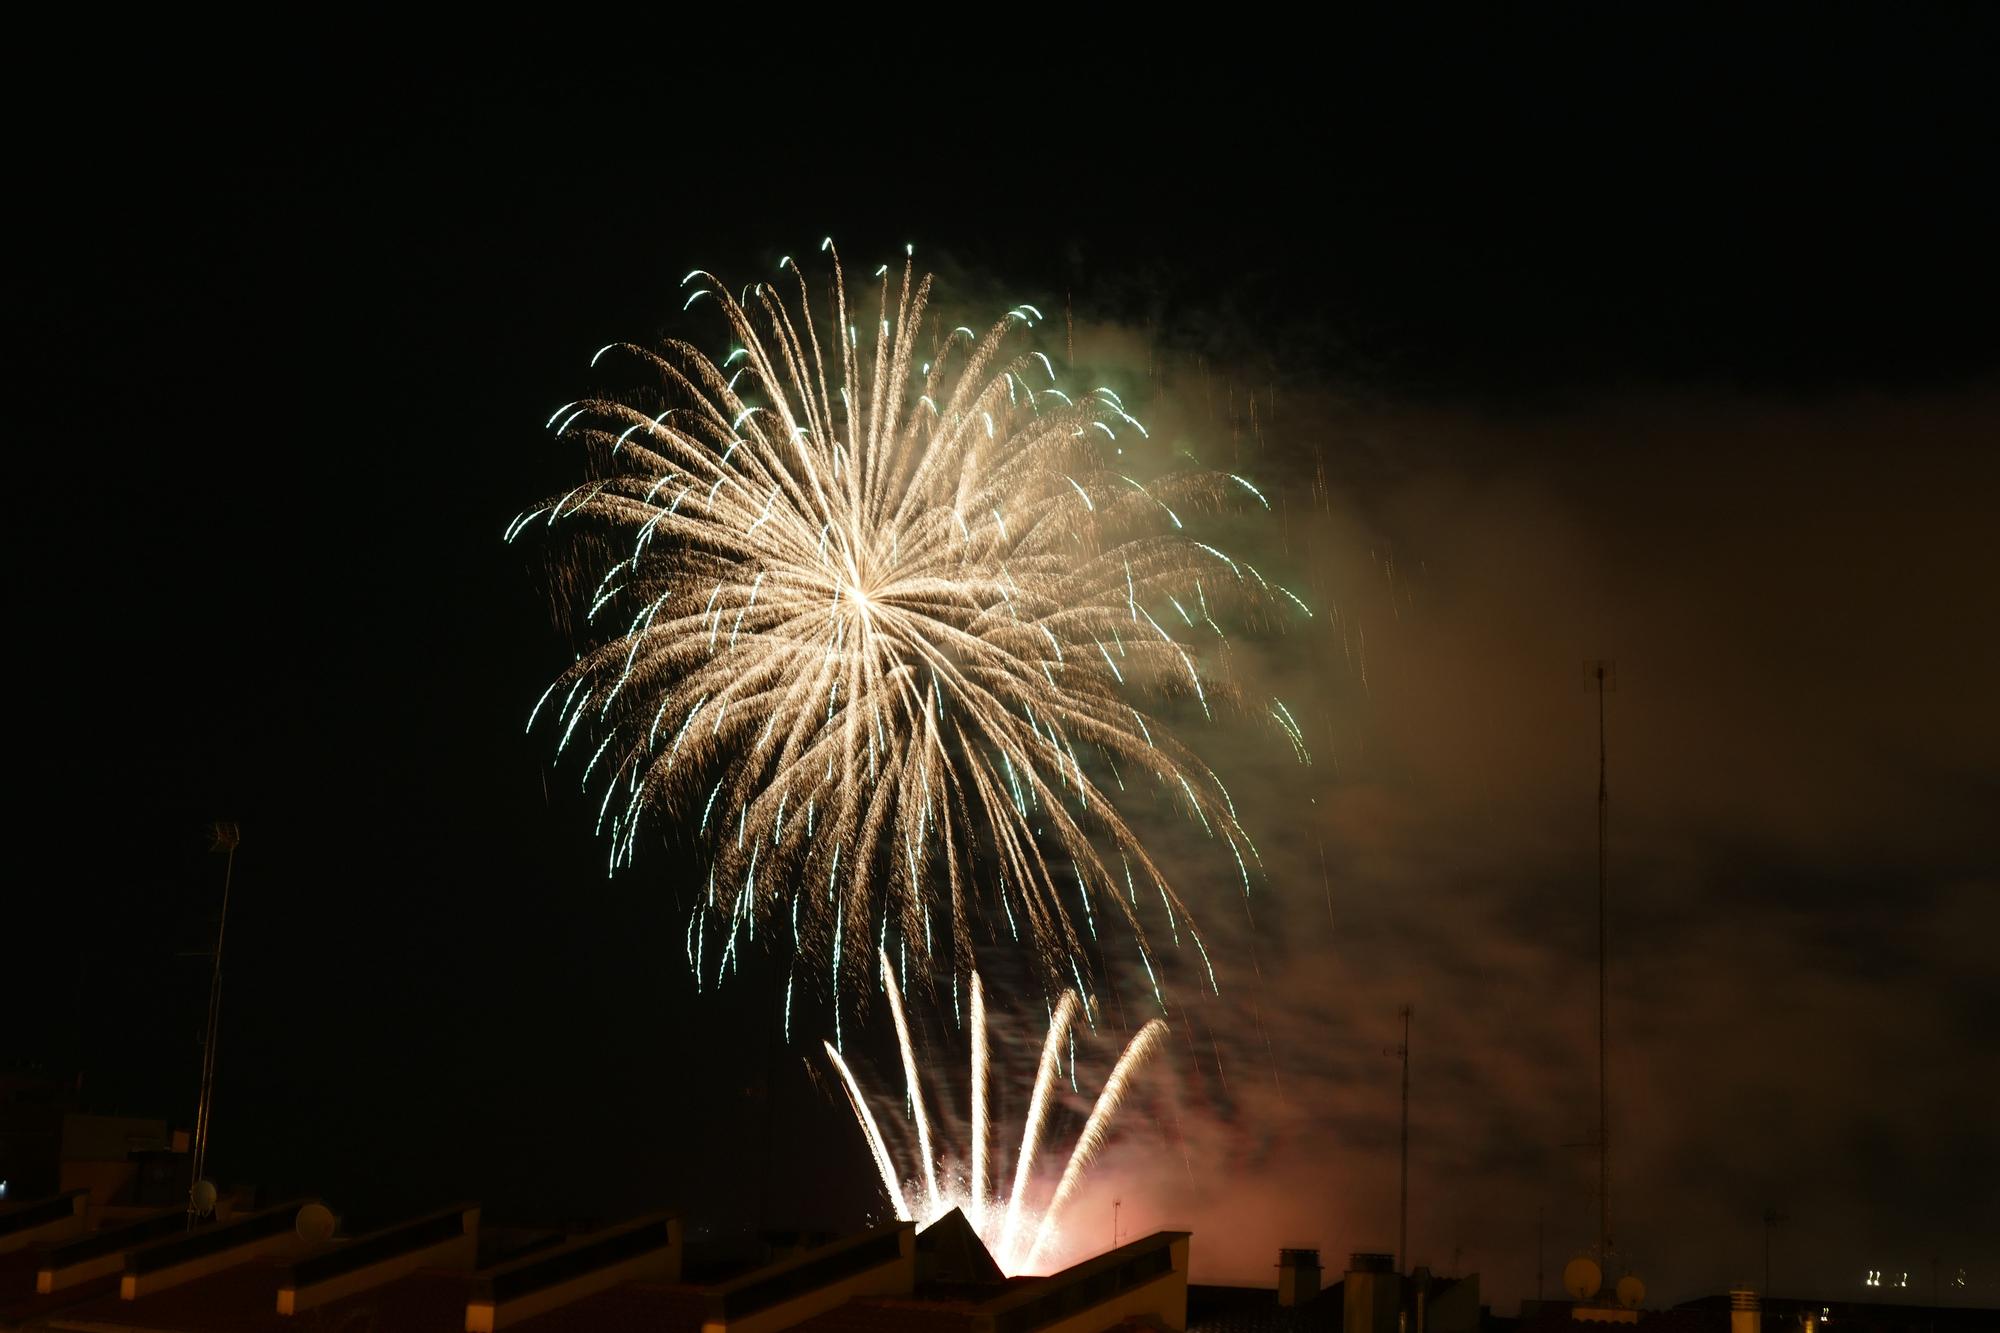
{"x":1016,"y":1232}
{"x":863,"y":611}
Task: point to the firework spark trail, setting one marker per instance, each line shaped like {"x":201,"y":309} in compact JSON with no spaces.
{"x":979,"y":1128}
{"x":1038,"y":1112}
{"x":871,"y":1131}
{"x":1092,"y":1138}
{"x":883,"y":608}
{"x":911,"y":1082}
{"x":1018,"y":1241}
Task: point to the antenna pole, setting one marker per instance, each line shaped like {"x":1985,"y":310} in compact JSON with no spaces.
{"x":1538,"y":1254}
{"x":226,"y":838}
{"x":1772,"y":1218}
{"x":1603,"y":950}
{"x":1403,"y":1206}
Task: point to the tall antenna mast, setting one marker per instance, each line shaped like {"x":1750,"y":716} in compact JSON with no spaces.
{"x":1403,"y":1205}
{"x":225,"y":837}
{"x":1772,"y":1217}
{"x":1538,"y":1254}
{"x":1606,"y":675}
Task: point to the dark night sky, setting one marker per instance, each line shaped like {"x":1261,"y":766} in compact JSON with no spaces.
{"x":1669,"y":343}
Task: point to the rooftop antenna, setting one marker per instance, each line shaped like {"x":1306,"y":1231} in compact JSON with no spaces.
{"x":1772,"y":1218}
{"x":1538,"y":1254}
{"x":223,"y":837}
{"x":1403,"y":1201}
{"x":1605,"y":674}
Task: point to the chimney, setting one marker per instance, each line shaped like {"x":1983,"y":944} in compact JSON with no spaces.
{"x":1298,"y":1276}
{"x":1746,"y":1311}
{"x":1373,"y":1295}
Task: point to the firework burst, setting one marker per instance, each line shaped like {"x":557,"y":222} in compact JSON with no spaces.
{"x":871,"y":613}
{"x":1016,"y":1232}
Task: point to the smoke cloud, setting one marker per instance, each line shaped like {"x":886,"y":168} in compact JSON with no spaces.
{"x":1801,"y":767}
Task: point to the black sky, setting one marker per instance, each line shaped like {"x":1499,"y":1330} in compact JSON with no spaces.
{"x":285,"y":333}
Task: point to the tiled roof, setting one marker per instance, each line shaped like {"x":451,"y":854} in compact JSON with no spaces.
{"x":1554,"y":1317}
{"x":427,"y":1300}
{"x":1256,"y":1310}
{"x":655,"y":1307}
{"x":244,"y":1299}
{"x":17,"y":1275}
{"x":951,"y":1250}
{"x":29,"y":1309}
{"x":882,"y":1314}
{"x":20,"y":1305}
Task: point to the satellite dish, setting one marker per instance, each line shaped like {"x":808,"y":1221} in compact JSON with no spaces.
{"x":315,"y":1224}
{"x":1582,"y":1277}
{"x":203,"y":1197}
{"x":1631,"y":1291}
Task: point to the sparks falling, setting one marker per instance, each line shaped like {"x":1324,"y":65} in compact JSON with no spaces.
{"x":1016,"y":1230}
{"x":868,"y":601}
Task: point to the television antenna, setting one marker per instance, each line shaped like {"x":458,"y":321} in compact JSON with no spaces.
{"x":1772,"y":1219}
{"x":1604,"y":675}
{"x":1403,"y":1197}
{"x":224,"y":836}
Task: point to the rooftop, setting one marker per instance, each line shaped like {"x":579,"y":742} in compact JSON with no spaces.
{"x":238,"y":1276}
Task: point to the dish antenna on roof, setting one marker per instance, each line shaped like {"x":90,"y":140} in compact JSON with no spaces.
{"x":315,"y":1224}
{"x":1582,"y":1278}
